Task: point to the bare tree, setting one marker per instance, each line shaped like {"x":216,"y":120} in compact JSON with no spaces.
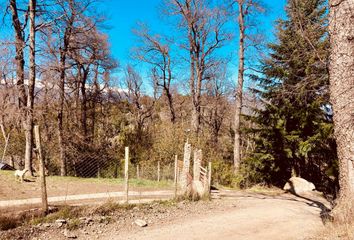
{"x":245,"y":8}
{"x":57,"y":38}
{"x":89,"y":49}
{"x":203,"y":26}
{"x":218,"y":93}
{"x":19,"y":28}
{"x":28,"y":124}
{"x":143,"y":106}
{"x":341,"y":70}
{"x":69,"y":19}
{"x":9,"y":114}
{"x":76,"y":55}
{"x":26,"y":101}
{"x":239,"y":91}
{"x":157,"y":53}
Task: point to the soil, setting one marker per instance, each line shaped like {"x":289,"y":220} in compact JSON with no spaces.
{"x":237,"y":215}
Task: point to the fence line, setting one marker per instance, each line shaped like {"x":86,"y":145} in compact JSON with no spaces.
{"x":103,"y":174}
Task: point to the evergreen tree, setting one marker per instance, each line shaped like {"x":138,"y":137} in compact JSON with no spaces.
{"x":294,"y":125}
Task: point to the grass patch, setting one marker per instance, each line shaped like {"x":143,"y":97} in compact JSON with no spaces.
{"x":14,"y":220}
{"x":111,"y":207}
{"x":118,"y":181}
{"x":7,"y":173}
{"x":166,"y":203}
{"x":65,"y":212}
{"x":73,"y":224}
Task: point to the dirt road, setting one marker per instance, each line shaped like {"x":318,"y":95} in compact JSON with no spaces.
{"x":135,"y":197}
{"x":245,"y":216}
{"x":237,"y":215}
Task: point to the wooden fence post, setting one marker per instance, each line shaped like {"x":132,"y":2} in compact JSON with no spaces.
{"x":137,"y":172}
{"x":197,"y":164}
{"x":186,"y":164}
{"x":158,"y":171}
{"x":126,"y":174}
{"x":209,"y":176}
{"x":41,"y":170}
{"x":176,"y":173}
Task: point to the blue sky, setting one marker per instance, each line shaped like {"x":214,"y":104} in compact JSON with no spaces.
{"x":124,"y":15}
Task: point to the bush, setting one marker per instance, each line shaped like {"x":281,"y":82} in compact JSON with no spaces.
{"x":222,"y":173}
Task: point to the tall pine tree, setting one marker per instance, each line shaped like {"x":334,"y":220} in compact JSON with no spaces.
{"x":294,"y":125}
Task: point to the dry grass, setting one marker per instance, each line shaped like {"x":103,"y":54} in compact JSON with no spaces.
{"x":7,"y":222}
{"x":10,"y":221}
{"x":63,"y":212}
{"x":70,"y":213}
{"x":110,"y":207}
{"x":336,"y":231}
{"x":342,"y":226}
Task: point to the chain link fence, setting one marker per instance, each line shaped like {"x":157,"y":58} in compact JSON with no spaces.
{"x":95,"y":174}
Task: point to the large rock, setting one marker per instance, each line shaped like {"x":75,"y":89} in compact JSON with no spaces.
{"x":299,"y":185}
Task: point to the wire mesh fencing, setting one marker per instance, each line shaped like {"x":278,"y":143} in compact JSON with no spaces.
{"x":17,"y":191}
{"x":152,"y":180}
{"x":94,"y":174}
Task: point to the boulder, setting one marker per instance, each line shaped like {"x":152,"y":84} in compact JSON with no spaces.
{"x":299,"y":185}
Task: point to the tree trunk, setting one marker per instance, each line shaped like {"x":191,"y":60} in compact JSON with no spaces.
{"x":84,"y":105}
{"x":194,"y":117}
{"x":63,"y":51}
{"x":196,"y":113}
{"x":94,"y":100}
{"x":195,"y":122}
{"x":20,"y":62}
{"x":168,"y":92}
{"x":341,"y":71}
{"x":239,"y":90}
{"x":31,"y":84}
{"x":216,"y":126}
{"x":170,"y":105}
{"x":62,"y":68}
{"x":83,"y":119}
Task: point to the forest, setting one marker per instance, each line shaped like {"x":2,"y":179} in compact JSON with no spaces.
{"x":270,"y":118}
